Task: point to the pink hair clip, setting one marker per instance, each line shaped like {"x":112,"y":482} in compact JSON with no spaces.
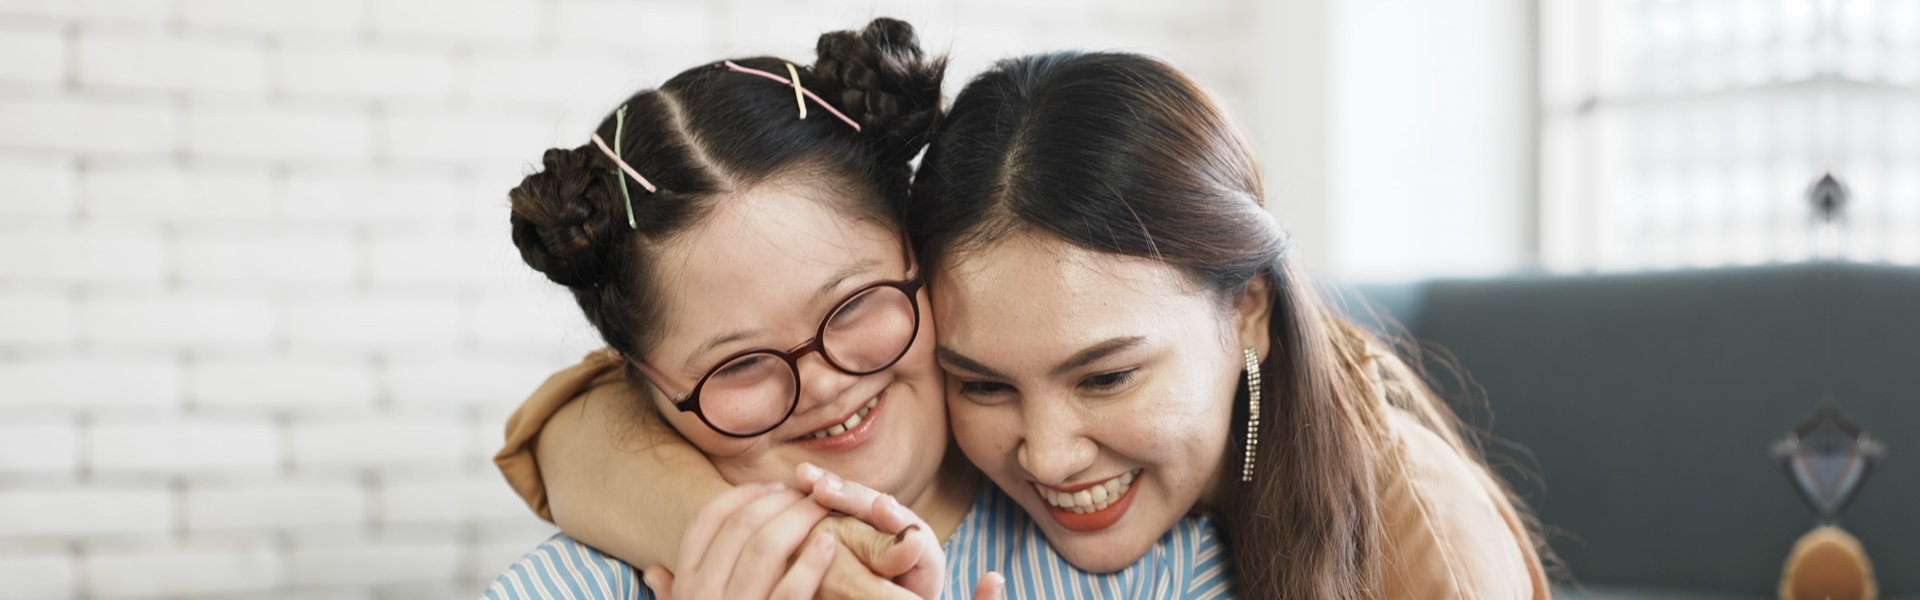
{"x":795,"y":82}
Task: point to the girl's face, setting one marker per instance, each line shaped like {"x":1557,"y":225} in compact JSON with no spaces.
{"x":763,"y":272}
{"x":1095,"y":388}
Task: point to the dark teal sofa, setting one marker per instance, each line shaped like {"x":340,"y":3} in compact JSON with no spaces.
{"x":1646,"y":404}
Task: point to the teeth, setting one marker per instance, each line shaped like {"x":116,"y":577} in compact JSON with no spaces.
{"x":849,"y":424}
{"x":1092,"y":499}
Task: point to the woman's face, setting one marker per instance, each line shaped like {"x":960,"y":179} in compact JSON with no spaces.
{"x":1094,"y":388}
{"x":763,"y":271}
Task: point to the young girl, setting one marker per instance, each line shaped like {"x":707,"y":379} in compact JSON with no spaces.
{"x":746,"y":266}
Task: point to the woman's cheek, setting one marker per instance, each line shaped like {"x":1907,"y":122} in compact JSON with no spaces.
{"x":985,"y":433}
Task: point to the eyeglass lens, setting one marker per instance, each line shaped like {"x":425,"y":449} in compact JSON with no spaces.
{"x":755,"y":392}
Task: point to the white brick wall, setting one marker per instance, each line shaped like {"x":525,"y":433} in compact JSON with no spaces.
{"x":376,"y":561}
{"x":39,"y":446}
{"x":265,"y":383}
{"x":113,"y":60}
{"x":37,"y":575}
{"x":84,"y":383}
{"x":276,"y":505}
{"x":260,"y":319}
{"x":184,"y":445}
{"x":168,"y":570}
{"x":86,"y":511}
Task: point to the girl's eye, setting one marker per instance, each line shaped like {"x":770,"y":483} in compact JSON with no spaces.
{"x":1107,"y":381}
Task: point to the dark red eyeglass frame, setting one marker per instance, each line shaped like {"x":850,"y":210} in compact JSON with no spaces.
{"x":690,"y":401}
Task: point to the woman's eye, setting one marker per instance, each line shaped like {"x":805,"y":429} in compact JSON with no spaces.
{"x":1107,"y":381}
{"x":984,"y":389}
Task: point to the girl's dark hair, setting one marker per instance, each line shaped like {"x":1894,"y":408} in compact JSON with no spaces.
{"x":1124,"y":154}
{"x":710,"y":132}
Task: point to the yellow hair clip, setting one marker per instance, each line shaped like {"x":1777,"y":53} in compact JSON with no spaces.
{"x":793,"y":75}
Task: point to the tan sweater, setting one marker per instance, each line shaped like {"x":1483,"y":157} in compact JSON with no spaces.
{"x":1450,"y":533}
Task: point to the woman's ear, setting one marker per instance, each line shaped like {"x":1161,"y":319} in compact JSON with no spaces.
{"x":1252,"y":313}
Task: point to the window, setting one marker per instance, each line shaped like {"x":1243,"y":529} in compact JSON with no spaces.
{"x":1688,"y":133}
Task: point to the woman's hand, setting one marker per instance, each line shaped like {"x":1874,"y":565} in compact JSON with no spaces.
{"x":913,"y":557}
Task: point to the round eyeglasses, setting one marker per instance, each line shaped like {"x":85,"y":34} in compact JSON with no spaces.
{"x":751,"y":392}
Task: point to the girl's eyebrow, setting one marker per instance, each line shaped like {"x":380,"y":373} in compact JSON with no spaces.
{"x":842,"y":275}
{"x":833,"y":282}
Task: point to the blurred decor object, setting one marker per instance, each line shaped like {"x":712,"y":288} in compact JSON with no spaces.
{"x":1828,"y":564}
{"x":1827,"y":457}
{"x":1829,"y":199}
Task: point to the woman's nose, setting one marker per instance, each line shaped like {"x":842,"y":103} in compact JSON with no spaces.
{"x":1055,"y":447}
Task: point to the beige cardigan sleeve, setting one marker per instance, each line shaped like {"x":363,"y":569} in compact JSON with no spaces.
{"x":1450,"y":532}
{"x":515,"y":458}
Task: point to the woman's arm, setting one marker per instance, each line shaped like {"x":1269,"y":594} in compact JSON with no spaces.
{"x":607,"y":477}
{"x":580,"y":456}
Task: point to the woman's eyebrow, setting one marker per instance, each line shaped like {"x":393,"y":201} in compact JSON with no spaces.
{"x":1079,"y":359}
{"x":950,"y":356}
{"x":1097,"y":352}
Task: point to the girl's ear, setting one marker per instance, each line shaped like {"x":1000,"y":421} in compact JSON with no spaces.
{"x":1252,"y":313}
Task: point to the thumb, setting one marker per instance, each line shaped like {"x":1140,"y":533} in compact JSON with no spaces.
{"x":660,"y":580}
{"x":886,"y":554}
{"x":992,"y":586}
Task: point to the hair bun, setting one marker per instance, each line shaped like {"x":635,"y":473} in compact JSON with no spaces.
{"x":886,"y":84}
{"x":562,"y":227}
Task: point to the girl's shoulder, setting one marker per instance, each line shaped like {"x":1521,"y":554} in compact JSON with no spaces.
{"x":564,"y":569}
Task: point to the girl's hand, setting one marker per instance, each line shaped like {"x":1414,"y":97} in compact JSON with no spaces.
{"x":738,"y":546}
{"x":801,"y":582}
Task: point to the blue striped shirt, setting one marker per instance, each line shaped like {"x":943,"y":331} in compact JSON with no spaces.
{"x":1189,"y":562}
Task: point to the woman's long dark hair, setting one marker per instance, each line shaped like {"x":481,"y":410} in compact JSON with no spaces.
{"x":709,"y":132}
{"x":1121,"y":153}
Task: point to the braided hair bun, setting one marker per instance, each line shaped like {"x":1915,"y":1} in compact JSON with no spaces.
{"x":560,"y":222}
{"x":886,"y":84}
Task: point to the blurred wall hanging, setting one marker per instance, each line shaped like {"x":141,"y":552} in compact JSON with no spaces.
{"x":1827,"y":457}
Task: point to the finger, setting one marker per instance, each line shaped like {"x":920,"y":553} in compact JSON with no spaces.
{"x":853,"y":498}
{"x":992,"y":586}
{"x":886,"y":554}
{"x":918,"y":559}
{"x":660,"y":580}
{"x":803,"y":578}
{"x":847,"y":579}
{"x":770,"y":547}
{"x":724,"y":551}
{"x":706,"y":523}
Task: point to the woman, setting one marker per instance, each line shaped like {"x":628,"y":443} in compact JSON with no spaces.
{"x":746,"y":266}
{"x":1105,"y":275}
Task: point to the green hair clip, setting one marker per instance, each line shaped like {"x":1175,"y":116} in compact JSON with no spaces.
{"x":625,"y":170}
